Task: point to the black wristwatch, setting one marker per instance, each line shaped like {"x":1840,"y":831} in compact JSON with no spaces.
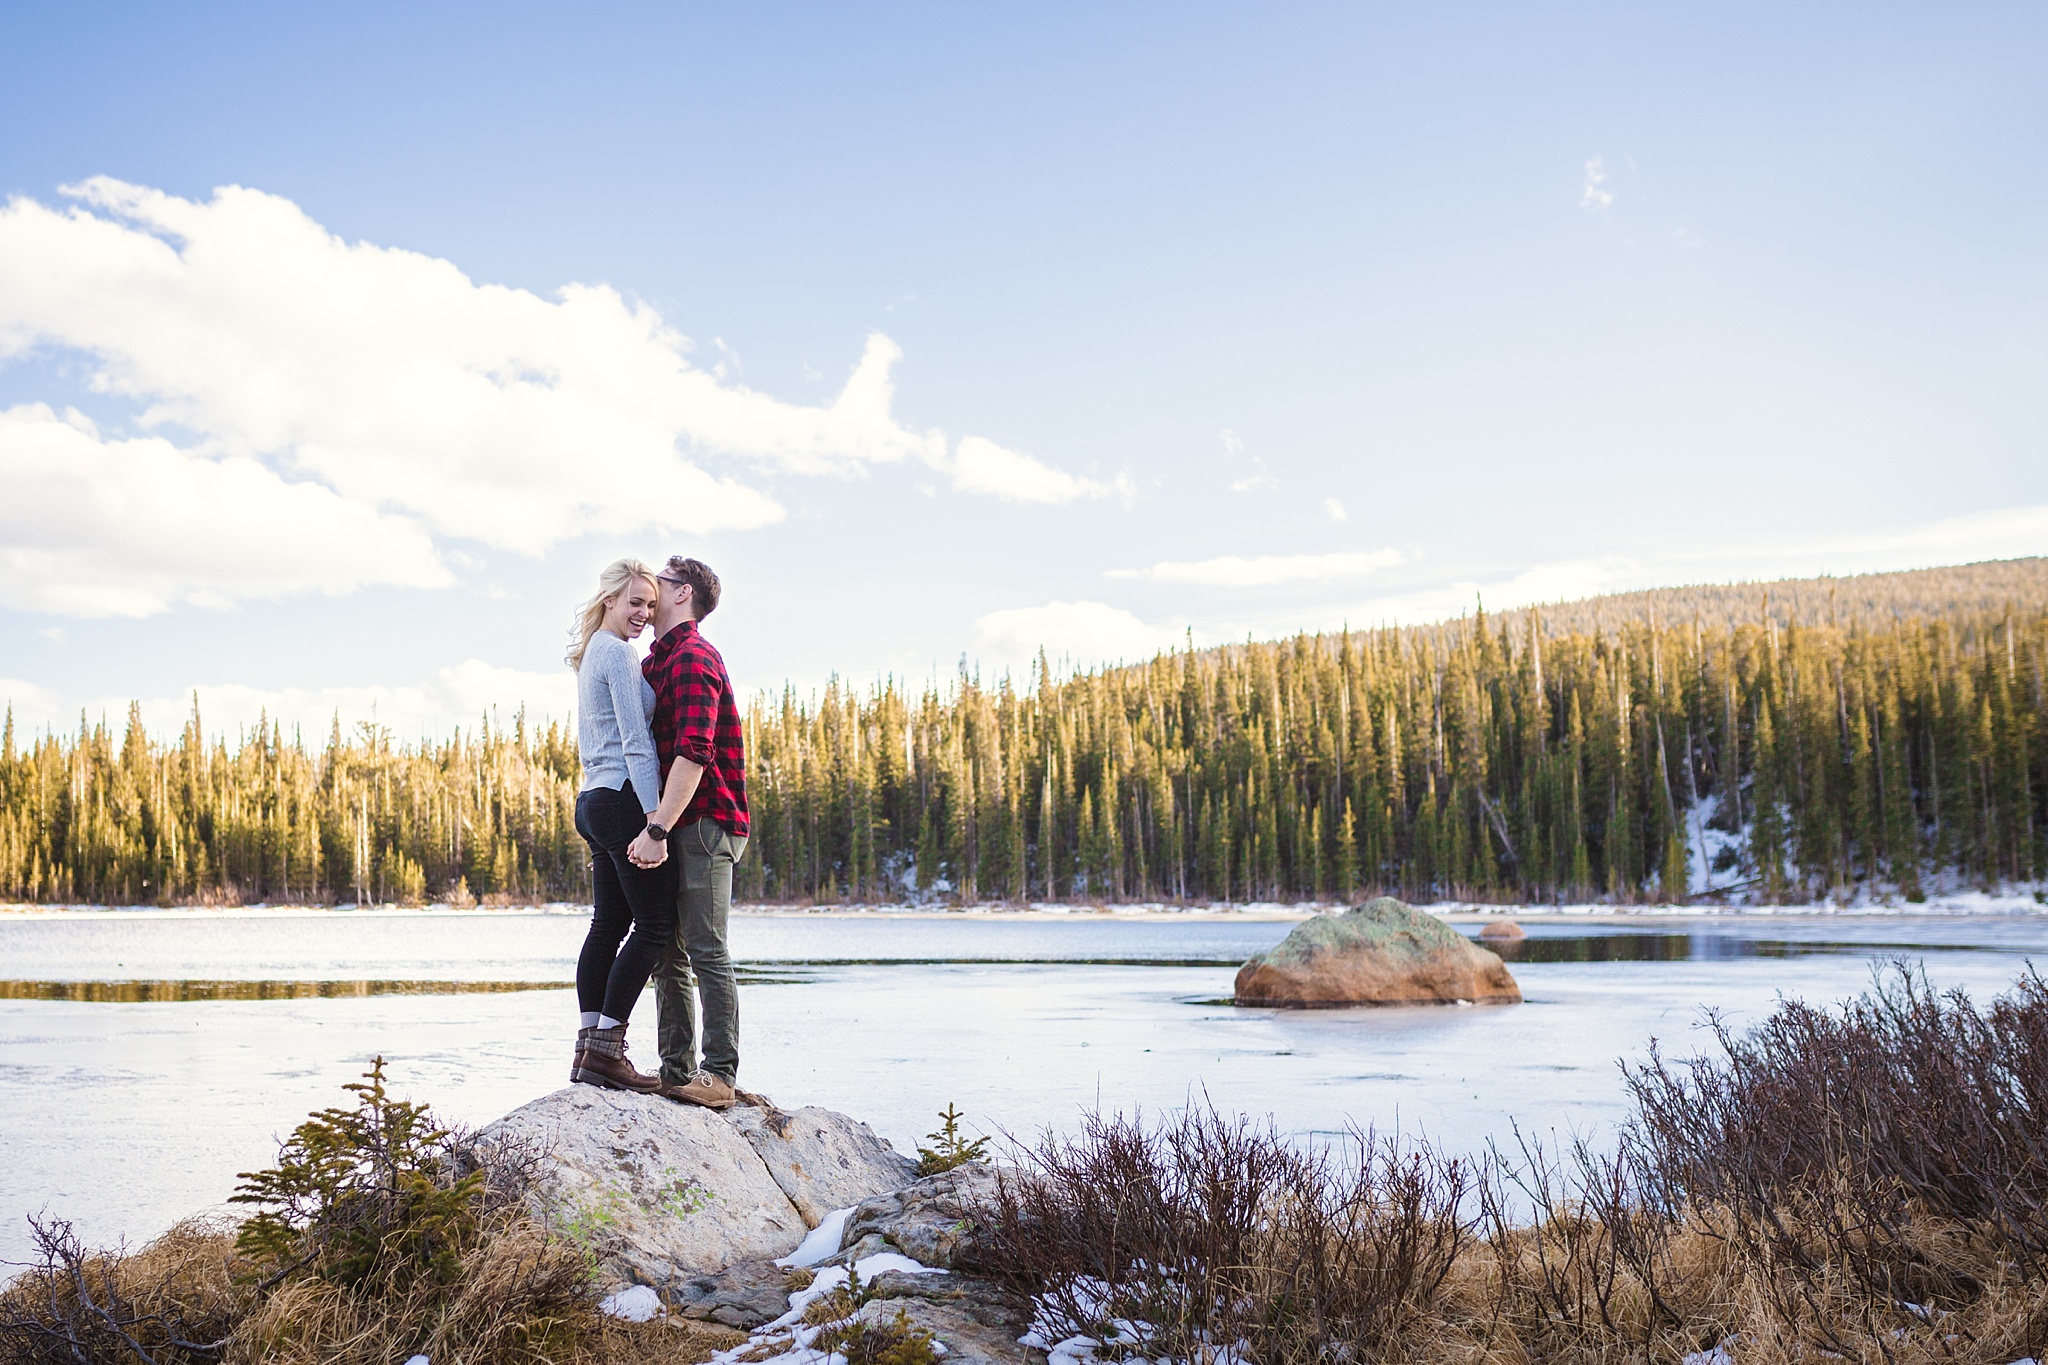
{"x":656,"y":833}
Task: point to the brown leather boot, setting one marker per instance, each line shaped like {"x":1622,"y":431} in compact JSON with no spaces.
{"x":711,"y":1091}
{"x":576,"y":1058}
{"x":603,"y":1062}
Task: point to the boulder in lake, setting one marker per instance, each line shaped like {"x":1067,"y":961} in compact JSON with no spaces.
{"x":1381,"y":953}
{"x":1503,"y":931}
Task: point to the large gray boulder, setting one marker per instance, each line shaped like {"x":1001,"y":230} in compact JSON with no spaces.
{"x":1381,"y":953}
{"x":654,"y":1190}
{"x":661,"y":1192}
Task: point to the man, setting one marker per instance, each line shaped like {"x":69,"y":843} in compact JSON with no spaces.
{"x":703,"y":821}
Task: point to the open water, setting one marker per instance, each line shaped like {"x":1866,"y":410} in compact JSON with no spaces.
{"x":147,"y":1057}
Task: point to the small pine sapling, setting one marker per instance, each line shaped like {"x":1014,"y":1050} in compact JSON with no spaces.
{"x":949,"y":1149}
{"x":363,"y":1197}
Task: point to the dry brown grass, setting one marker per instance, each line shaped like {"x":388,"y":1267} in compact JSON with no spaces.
{"x":524,"y":1298}
{"x":176,"y":1300}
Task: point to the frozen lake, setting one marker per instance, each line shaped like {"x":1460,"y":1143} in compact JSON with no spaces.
{"x":147,"y":1057}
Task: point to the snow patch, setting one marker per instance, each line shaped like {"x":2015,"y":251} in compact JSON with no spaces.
{"x":867,"y":1267}
{"x":820,"y":1242}
{"x":1119,"y":1338}
{"x":636,"y":1303}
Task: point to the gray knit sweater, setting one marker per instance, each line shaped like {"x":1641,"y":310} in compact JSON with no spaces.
{"x":613,"y":734}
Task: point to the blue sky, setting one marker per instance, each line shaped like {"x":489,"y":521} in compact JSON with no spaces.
{"x":1222,"y":319}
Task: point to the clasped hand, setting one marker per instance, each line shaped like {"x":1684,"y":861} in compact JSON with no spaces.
{"x":646,"y":852}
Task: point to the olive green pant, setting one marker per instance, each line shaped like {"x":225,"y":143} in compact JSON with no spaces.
{"x":697,"y":962}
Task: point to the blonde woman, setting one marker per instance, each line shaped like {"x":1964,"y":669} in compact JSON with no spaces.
{"x":621,"y":786}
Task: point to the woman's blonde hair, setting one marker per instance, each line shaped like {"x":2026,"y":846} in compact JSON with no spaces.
{"x":617,"y":577}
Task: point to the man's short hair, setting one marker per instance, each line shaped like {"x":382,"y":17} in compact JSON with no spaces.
{"x":703,"y":583}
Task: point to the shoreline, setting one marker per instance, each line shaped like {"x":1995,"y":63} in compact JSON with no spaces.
{"x":2019,"y":904}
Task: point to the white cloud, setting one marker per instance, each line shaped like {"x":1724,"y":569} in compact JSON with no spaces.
{"x":245,"y":331}
{"x":1083,"y":633}
{"x":1266,"y":571}
{"x":96,"y":528}
{"x":450,"y":697}
{"x":982,"y":466}
{"x":2008,"y":533}
{"x":2005,"y":533}
{"x":1260,"y":477}
{"x":1593,"y":195}
{"x":1335,"y":509}
{"x":1564,"y":581}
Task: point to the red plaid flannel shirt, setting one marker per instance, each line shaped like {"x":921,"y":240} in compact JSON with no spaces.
{"x":695,"y":717}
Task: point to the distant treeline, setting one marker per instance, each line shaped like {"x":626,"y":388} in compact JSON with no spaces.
{"x":1879,"y":745}
{"x":89,"y":818}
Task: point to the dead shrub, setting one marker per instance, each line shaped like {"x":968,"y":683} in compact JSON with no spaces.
{"x":1878,"y":1166}
{"x":175,"y":1301}
{"x":1207,"y":1232}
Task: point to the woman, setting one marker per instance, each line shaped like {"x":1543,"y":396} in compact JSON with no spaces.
{"x":621,"y":787}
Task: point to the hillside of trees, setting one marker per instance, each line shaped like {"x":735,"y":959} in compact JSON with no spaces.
{"x":1769,"y":742}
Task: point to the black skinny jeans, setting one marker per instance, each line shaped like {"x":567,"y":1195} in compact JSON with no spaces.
{"x":610,"y":975}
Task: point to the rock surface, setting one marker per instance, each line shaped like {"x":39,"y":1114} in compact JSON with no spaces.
{"x":663,"y":1192}
{"x":744,"y":1295}
{"x":977,"y":1321}
{"x":698,"y":1204}
{"x":1505,"y":930}
{"x":822,"y":1160}
{"x":1381,"y":953}
{"x":932,"y":1221}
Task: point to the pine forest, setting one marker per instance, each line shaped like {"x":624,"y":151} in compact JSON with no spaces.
{"x":1884,"y":736}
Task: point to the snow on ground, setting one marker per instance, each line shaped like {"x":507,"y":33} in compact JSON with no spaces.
{"x":1945,"y":896}
{"x":1113,"y":1337}
{"x":2025,"y":900}
{"x":788,"y":1339}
